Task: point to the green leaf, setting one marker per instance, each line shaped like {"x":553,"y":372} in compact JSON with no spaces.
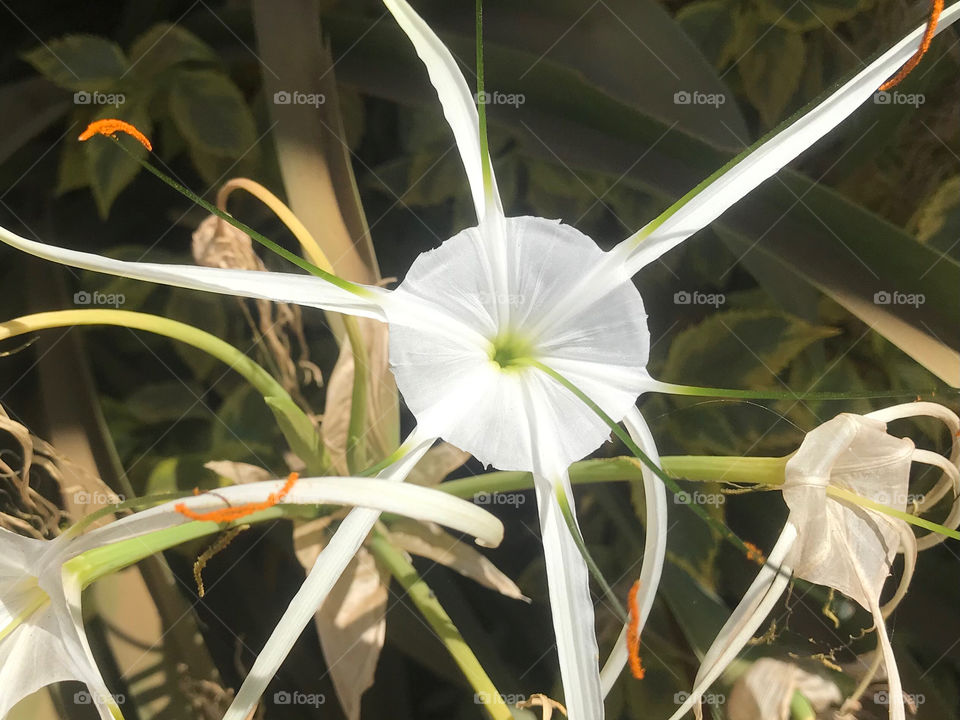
{"x":299,"y":432}
{"x":771,"y":71}
{"x":740,"y":348}
{"x":808,"y":15}
{"x":210,"y":112}
{"x":713,"y":26}
{"x":937,"y":223}
{"x":166,"y":402}
{"x":109,"y":168}
{"x":84,"y":63}
{"x":206,"y":312}
{"x":165,"y":45}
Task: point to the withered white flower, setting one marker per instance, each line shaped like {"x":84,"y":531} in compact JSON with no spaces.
{"x":831,"y":540}
{"x":473,"y":319}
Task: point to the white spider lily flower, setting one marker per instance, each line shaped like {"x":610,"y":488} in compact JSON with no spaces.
{"x":472,"y":314}
{"x":830,"y":540}
{"x":766,"y":689}
{"x":42,"y":640}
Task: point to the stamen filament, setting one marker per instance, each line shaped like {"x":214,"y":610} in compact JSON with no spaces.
{"x":231,"y":514}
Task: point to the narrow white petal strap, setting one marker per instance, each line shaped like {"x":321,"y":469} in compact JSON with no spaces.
{"x":568,"y":579}
{"x":707,"y":202}
{"x":360,"y":300}
{"x":753,"y":609}
{"x":950,"y":480}
{"x":654,"y":548}
{"x":330,"y":564}
{"x":459,"y":106}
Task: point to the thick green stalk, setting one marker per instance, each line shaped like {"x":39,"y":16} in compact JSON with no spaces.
{"x":294,"y":424}
{"x":406,"y":574}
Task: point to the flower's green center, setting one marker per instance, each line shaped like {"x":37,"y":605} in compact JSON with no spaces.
{"x":511,"y":351}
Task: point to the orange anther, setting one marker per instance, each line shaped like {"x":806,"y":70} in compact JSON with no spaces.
{"x":231,"y":514}
{"x":633,"y":633}
{"x":754,"y":553}
{"x":110,"y":127}
{"x":935,"y":10}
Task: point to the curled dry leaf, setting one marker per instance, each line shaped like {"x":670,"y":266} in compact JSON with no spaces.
{"x":218,"y":244}
{"x":430,"y":541}
{"x":765,"y":691}
{"x":238,"y":472}
{"x":541,"y":700}
{"x":352,"y":622}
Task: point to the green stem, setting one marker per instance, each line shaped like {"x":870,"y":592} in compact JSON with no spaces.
{"x":294,"y":424}
{"x":482,"y":108}
{"x":356,"y":429}
{"x":406,"y":574}
{"x":695,"y":391}
{"x":592,"y":566}
{"x":100,"y":561}
{"x":800,"y":707}
{"x":353,"y":288}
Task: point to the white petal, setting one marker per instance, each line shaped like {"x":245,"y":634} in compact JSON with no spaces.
{"x":753,"y":609}
{"x":456,"y":391}
{"x":459,"y":106}
{"x":31,"y":658}
{"x":381,"y":495}
{"x":281,"y":287}
{"x":839,"y":543}
{"x":730,"y":185}
{"x":571,"y":606}
{"x":320,"y":580}
{"x":654,"y":547}
{"x":568,"y":581}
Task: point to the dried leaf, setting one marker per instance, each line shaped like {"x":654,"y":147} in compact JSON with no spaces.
{"x":430,"y":541}
{"x":239,"y":472}
{"x":765,"y":691}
